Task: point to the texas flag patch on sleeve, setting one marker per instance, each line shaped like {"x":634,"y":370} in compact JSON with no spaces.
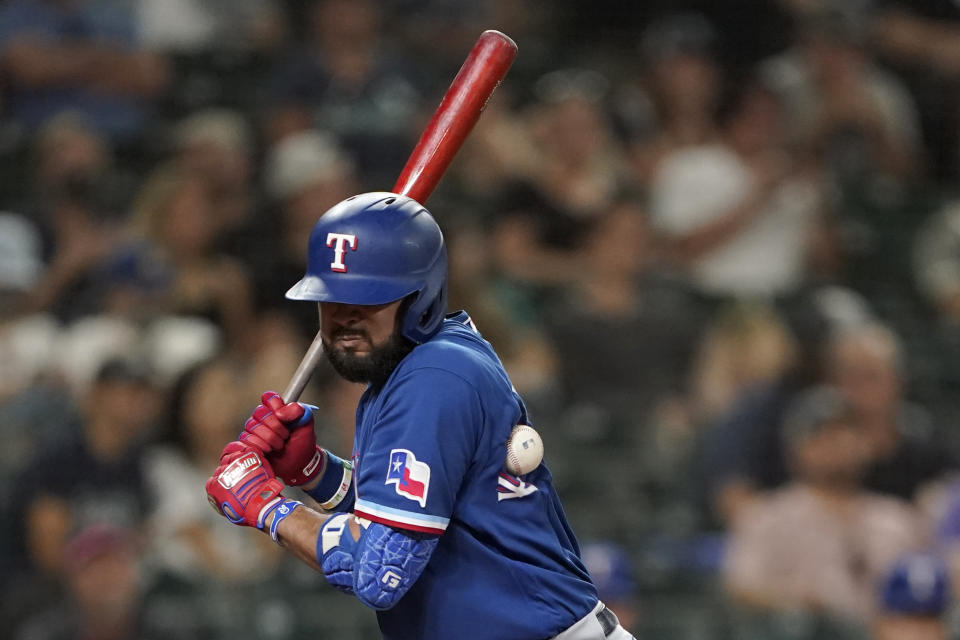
{"x":410,"y":477}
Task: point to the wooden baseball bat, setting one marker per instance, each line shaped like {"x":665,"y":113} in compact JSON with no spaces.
{"x":459,"y":110}
{"x":485,"y":66}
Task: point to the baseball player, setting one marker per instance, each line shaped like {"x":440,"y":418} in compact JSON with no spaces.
{"x":423,"y":523}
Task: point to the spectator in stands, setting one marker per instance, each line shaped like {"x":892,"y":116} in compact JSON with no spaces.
{"x":864,"y":361}
{"x":96,"y":473}
{"x":68,"y":189}
{"x":173,"y":241}
{"x":620,"y":311}
{"x":31,"y":406}
{"x":916,"y":597}
{"x":821,"y":544}
{"x":216,"y":145}
{"x":623,"y":335}
{"x":920,"y":40}
{"x":936,"y":261}
{"x":89,"y":473}
{"x":105,"y":594}
{"x":79,"y":56}
{"x":743,"y":447}
{"x":836,"y":95}
{"x":346,"y":78}
{"x":198,"y":26}
{"x":66,"y":149}
{"x":860,"y":123}
{"x":728,"y":205}
{"x":83,"y":233}
{"x":25,"y":338}
{"x":675,"y":107}
{"x":866,"y":365}
{"x":501,"y":149}
{"x":744,"y":347}
{"x":543,"y":219}
{"x":936,"y":272}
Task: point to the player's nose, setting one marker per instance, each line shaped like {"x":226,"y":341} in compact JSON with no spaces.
{"x":344,"y":314}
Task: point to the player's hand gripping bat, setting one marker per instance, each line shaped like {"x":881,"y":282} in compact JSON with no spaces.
{"x":484,"y":68}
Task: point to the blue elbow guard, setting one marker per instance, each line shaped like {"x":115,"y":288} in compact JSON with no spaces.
{"x":388,"y":564}
{"x":379,"y":568}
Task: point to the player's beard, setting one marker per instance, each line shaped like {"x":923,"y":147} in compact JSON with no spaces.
{"x":375,"y":366}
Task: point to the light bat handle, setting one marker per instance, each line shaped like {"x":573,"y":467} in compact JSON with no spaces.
{"x":302,"y":375}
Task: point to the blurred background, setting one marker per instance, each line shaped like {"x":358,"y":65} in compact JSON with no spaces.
{"x":717,"y":245}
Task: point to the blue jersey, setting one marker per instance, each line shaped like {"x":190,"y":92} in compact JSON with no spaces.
{"x":429,"y":455}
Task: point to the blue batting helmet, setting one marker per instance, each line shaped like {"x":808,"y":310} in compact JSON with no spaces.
{"x":375,"y":248}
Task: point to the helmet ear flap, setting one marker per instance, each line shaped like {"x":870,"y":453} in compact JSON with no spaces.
{"x":427,"y":307}
{"x":418,"y":317}
{"x":403,"y":311}
{"x":426,"y":315}
{"x":433,"y":314}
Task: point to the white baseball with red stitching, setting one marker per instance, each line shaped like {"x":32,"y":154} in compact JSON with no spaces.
{"x":524,"y":450}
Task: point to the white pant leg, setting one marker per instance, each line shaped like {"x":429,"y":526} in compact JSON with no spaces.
{"x":589,"y":628}
{"x":620,"y":634}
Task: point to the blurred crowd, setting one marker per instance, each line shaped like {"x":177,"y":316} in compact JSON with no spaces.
{"x":716,"y":244}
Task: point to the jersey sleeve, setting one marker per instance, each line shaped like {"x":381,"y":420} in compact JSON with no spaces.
{"x":418,"y":451}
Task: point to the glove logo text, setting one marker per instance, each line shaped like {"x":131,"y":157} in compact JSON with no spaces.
{"x":237,"y":469}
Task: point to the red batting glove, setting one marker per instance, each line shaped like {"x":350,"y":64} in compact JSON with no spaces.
{"x":284,"y":433}
{"x":243,"y":488}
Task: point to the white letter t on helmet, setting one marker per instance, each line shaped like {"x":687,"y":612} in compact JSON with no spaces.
{"x":338,"y":242}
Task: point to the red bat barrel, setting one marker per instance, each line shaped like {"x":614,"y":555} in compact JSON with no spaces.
{"x":484,"y":68}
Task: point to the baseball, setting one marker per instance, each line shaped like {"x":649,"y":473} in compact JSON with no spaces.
{"x":524,"y":450}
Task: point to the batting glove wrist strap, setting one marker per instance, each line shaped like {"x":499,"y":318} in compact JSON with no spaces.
{"x":280,"y":512}
{"x":265,"y":512}
{"x":335,"y":483}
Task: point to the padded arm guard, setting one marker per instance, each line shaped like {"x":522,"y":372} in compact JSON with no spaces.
{"x":379,"y":568}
